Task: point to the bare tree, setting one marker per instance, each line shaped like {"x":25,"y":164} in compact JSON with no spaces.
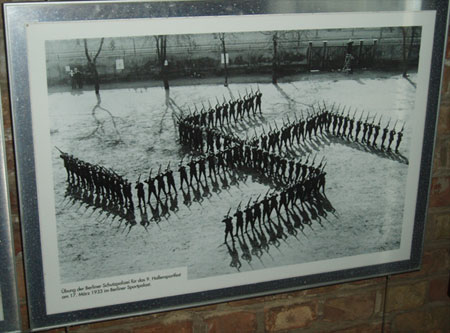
{"x":224,"y":52}
{"x":161,"y":49}
{"x":405,"y":49}
{"x":92,"y":64}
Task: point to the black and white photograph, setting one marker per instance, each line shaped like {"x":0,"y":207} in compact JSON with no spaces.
{"x":184,"y":155}
{"x":229,"y":152}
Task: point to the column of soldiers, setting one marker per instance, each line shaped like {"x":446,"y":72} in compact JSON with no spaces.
{"x":342,"y":124}
{"x":301,"y":187}
{"x":336,"y":122}
{"x":108,"y":186}
{"x":227,"y":111}
{"x":160,"y":206}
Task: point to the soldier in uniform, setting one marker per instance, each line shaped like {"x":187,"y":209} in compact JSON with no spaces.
{"x":399,"y":139}
{"x":151,"y":187}
{"x":239,"y":221}
{"x":170,"y":180}
{"x":391,"y":138}
{"x":228,"y":227}
{"x":258,"y":101}
{"x":183,"y":174}
{"x":192,"y":170}
{"x":140,"y":192}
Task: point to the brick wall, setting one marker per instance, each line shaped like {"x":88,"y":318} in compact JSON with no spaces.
{"x":416,"y":301}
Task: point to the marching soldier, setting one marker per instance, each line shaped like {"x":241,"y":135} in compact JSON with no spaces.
{"x":228,"y":227}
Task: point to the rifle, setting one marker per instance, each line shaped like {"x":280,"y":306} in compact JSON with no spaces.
{"x":257,"y":198}
{"x":374,"y":117}
{"x":218,"y":103}
{"x":343,"y":110}
{"x":224,"y":100}
{"x":324,"y":165}
{"x":150,"y":173}
{"x":379,"y":121}
{"x":403,"y":127}
{"x":209,"y":102}
{"x":276,"y":125}
{"x":332,"y":107}
{"x":239,"y":206}
{"x":362,"y":113}
{"x":367,"y":118}
{"x":354,"y":114}
{"x":395,"y":124}
{"x":321,"y":160}
{"x":239,"y":95}
{"x":337,"y":110}
{"x":387,"y":125}
{"x":168,"y":166}
{"x":159,"y":170}
{"x":139,"y":179}
{"x":60,"y":150}
{"x":228,"y":212}
{"x":248,"y":203}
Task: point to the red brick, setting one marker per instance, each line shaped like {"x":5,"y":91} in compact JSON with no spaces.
{"x":439,"y":289}
{"x":422,"y":321}
{"x":442,"y":154}
{"x":438,"y":227}
{"x":17,"y":236}
{"x":442,"y":227}
{"x":440,"y":192}
{"x":244,"y":322}
{"x":436,"y":261}
{"x":445,"y":89}
{"x":103,"y":325}
{"x":349,"y":308}
{"x":20,"y":278}
{"x":179,"y":327}
{"x":447,"y":53}
{"x":368,"y":328}
{"x":290,"y":317}
{"x":406,"y":296}
{"x":433,"y":261}
{"x":24,"y":317}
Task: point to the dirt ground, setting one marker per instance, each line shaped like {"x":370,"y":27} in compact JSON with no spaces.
{"x":132,"y":129}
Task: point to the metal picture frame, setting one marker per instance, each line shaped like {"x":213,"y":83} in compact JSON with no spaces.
{"x":96,"y":274}
{"x":9,"y":305}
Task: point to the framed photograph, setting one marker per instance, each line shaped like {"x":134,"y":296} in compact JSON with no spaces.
{"x":172,"y":154}
{"x":9,"y":308}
